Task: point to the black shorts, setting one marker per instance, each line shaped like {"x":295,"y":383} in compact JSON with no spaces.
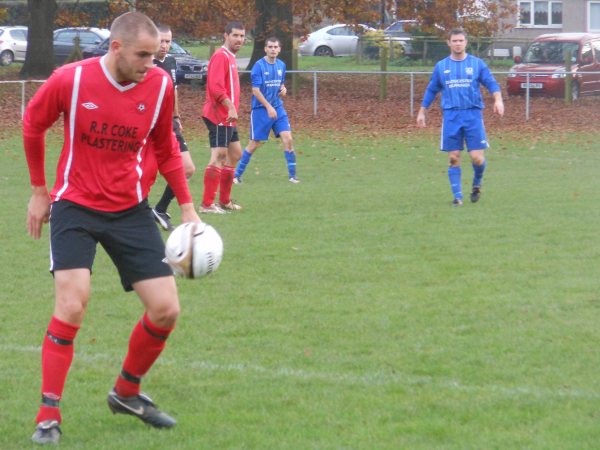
{"x":220,"y":135}
{"x":130,"y":237}
{"x":180,"y":139}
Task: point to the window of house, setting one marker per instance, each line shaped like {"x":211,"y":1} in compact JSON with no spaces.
{"x":594,"y":16}
{"x":541,"y":13}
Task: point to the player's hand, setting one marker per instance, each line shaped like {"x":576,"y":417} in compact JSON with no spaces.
{"x":272,"y":112}
{"x":38,"y":211}
{"x":232,"y":115}
{"x":189,"y":214}
{"x":178,"y":119}
{"x":421,"y":120}
{"x":282,"y":91}
{"x":499,"y":107}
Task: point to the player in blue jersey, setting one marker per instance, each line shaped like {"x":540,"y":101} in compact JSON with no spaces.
{"x":459,"y":77}
{"x":268,"y":113}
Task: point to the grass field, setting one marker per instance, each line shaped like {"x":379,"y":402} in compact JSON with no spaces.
{"x":356,"y":310}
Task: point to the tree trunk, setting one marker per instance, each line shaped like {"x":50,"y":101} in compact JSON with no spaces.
{"x":39,"y":61}
{"x":275,"y":18}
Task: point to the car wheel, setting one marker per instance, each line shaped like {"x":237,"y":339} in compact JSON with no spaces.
{"x":6,"y":58}
{"x":323,"y":50}
{"x":575,"y":91}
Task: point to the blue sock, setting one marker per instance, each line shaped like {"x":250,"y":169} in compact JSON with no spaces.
{"x":290,"y":157}
{"x":244,"y":161}
{"x":454,"y":174}
{"x":478,"y":173}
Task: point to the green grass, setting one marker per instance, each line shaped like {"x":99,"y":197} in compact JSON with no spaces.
{"x":356,"y":310}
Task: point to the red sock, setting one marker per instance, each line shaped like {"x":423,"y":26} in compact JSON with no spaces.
{"x":57,"y":355}
{"x":212,"y":177}
{"x":146,"y":343}
{"x":227,"y":175}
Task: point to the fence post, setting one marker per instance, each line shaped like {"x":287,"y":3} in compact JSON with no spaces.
{"x":314,"y":93}
{"x":383,"y":57}
{"x":294,"y":67}
{"x":527,"y":98}
{"x":568,"y":78}
{"x":22,"y":99}
{"x":412,"y":94}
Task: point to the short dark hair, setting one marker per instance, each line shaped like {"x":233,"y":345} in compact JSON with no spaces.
{"x":233,"y":24}
{"x":455,"y":31}
{"x":272,"y":39}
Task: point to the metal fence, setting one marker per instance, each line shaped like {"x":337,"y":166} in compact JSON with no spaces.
{"x":316,"y":77}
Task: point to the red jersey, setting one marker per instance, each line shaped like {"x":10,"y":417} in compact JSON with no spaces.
{"x":222,"y":81}
{"x":105,"y":163}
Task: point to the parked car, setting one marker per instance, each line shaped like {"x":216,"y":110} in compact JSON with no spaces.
{"x":400,"y":31}
{"x":64,"y":40}
{"x":13,"y":44}
{"x":333,"y":40}
{"x":188,"y":68}
{"x":545,"y":63}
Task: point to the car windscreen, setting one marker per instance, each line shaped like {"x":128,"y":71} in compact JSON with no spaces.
{"x":176,"y":49}
{"x":551,"y":52}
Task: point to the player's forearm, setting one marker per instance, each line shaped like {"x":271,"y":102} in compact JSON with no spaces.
{"x":178,"y":183}
{"x":176,"y":105}
{"x":35,"y":147}
{"x":227,"y":103}
{"x":260,"y":97}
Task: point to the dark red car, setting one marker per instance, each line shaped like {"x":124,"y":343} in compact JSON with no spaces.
{"x":542,"y":69}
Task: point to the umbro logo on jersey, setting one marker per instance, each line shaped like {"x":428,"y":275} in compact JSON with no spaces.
{"x":89,"y":105}
{"x":447,"y":71}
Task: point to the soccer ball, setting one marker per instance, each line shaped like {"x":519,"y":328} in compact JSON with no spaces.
{"x":194,"y":250}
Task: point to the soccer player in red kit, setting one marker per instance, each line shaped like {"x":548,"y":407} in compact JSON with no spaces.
{"x":220,"y":113}
{"x":112,"y":106}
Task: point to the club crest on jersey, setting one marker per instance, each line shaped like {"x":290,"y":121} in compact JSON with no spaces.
{"x":279,"y":72}
{"x":141,"y":108}
{"x":469,"y":71}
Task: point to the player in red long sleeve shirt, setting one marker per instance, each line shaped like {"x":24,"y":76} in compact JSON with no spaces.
{"x":112,"y":106}
{"x":220,"y":114}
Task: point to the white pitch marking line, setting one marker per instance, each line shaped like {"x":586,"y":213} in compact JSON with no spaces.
{"x":377,"y":378}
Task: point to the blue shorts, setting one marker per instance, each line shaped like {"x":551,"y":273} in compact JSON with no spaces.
{"x":462,"y":126}
{"x":131,"y":239}
{"x":261,"y":124}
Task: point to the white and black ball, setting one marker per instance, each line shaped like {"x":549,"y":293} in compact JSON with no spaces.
{"x":194,"y":250}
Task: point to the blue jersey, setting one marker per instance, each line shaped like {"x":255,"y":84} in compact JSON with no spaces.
{"x":269,"y":78}
{"x":459,"y":82}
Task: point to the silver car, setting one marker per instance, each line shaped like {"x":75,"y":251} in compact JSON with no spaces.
{"x":13,"y":44}
{"x":333,"y":40}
